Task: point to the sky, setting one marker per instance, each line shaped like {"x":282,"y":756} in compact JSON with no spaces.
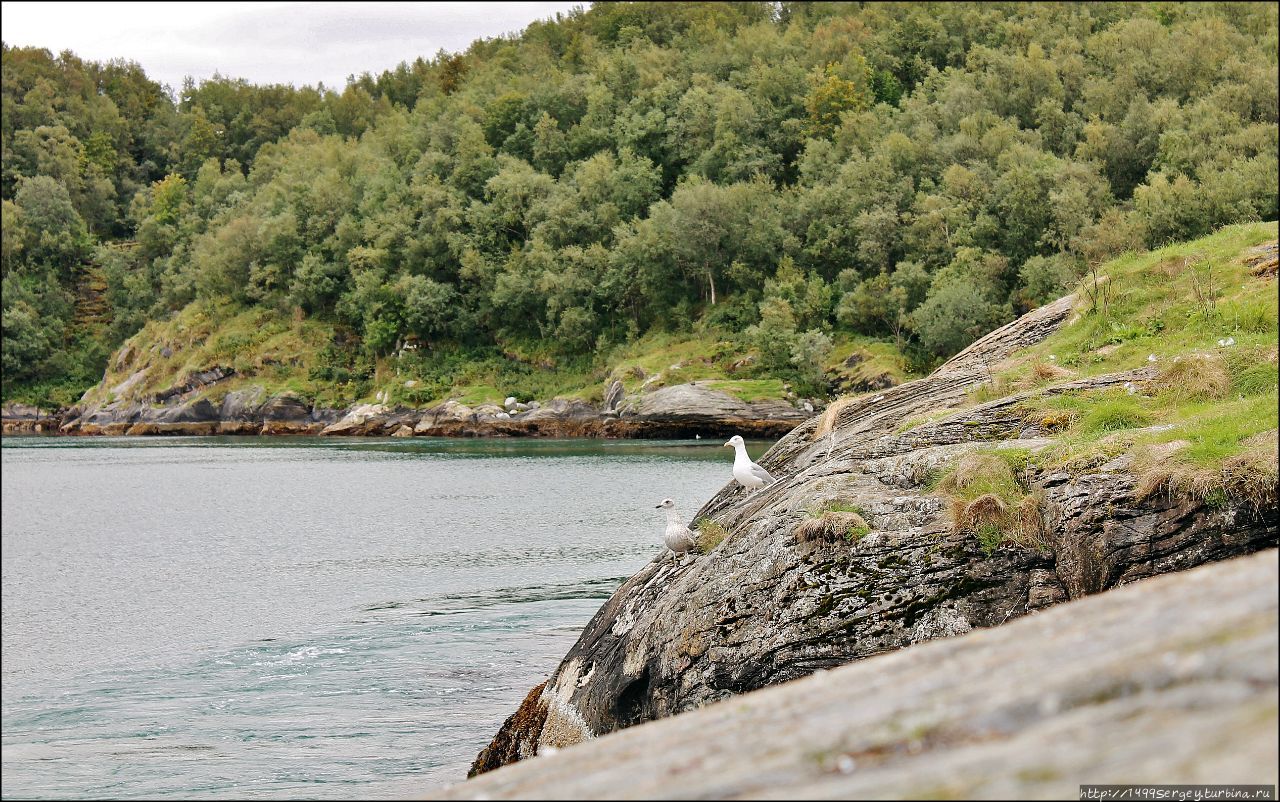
{"x":264,"y":42}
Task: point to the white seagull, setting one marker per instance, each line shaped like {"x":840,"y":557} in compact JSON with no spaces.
{"x":748,"y":474}
{"x":677,"y":536}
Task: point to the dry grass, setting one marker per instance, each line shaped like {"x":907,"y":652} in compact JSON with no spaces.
{"x":831,"y":415}
{"x":998,"y":387}
{"x":1194,"y":377}
{"x":1252,"y":476}
{"x":832,"y":526}
{"x":988,"y":502}
{"x":1262,"y":260}
{"x":1042,"y":372}
{"x":971,"y":469}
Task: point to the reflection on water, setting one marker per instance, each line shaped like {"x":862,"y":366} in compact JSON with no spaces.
{"x":253,"y":617}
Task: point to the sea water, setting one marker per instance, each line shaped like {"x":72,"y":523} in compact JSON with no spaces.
{"x":301,"y":617}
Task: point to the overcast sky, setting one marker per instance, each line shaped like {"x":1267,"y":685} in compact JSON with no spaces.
{"x":269,"y":42}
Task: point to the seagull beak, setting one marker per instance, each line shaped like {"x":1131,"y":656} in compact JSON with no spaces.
{"x":657,"y":506}
{"x":726,"y":445}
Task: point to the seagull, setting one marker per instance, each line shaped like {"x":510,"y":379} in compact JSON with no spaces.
{"x":677,"y":536}
{"x":748,"y":474}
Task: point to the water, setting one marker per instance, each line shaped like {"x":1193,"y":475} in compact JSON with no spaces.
{"x":259,"y":617}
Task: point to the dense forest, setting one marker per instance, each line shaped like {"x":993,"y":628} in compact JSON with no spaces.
{"x":776,"y":172}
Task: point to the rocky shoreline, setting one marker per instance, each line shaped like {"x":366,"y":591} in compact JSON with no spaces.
{"x":679,"y":411}
{"x":766,"y":603}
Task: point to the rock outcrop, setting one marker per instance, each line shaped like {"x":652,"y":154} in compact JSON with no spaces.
{"x":763,"y":608}
{"x":678,"y":411}
{"x":28,"y":419}
{"x":1169,"y":680}
{"x":190,"y":412}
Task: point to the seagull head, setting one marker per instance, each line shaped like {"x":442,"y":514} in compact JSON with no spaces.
{"x":666,"y":504}
{"x":736,"y":440}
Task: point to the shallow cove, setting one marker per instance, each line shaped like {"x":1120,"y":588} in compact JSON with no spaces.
{"x":254,"y":617}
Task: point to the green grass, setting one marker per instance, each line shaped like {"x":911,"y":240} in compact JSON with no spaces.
{"x":839,"y":506}
{"x":710,"y":535}
{"x":747,"y":390}
{"x":263,"y":346}
{"x":990,"y":500}
{"x":1153,"y":307}
{"x":876,"y":358}
{"x":1211,"y":402}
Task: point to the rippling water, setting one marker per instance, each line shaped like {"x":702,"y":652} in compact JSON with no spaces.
{"x":251,"y":617}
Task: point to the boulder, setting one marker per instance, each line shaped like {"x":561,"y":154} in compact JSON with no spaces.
{"x":688,"y":409}
{"x":285,"y":407}
{"x":361,"y":420}
{"x":243,"y":404}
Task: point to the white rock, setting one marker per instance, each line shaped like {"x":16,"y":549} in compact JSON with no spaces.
{"x":411,"y":383}
{"x":510,"y":402}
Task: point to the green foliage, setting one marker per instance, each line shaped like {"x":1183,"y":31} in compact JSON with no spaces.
{"x":954,"y":315}
{"x":798,"y":173}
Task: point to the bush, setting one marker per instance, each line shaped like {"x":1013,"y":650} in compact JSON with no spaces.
{"x":954,"y":315}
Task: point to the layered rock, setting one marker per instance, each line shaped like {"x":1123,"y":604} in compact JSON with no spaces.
{"x":687,"y":408}
{"x":188,"y":411}
{"x":679,"y":411}
{"x":763,"y":607}
{"x":1169,"y":680}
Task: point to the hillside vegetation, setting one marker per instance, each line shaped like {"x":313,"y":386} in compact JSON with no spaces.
{"x":752,"y":191}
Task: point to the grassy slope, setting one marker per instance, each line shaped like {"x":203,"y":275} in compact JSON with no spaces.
{"x":1206,"y":425}
{"x":271,"y":349}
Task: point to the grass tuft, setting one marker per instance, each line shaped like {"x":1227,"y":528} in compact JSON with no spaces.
{"x":990,"y":502}
{"x":1249,"y":476}
{"x":1113,"y":411}
{"x":710,"y":535}
{"x":1194,"y":377}
{"x":837,"y":521}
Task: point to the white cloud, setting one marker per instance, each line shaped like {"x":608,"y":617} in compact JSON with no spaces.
{"x":270,"y":42}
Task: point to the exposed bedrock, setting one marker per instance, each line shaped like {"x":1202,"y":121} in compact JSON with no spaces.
{"x":1168,"y":680}
{"x":683,"y":410}
{"x":762,"y":608}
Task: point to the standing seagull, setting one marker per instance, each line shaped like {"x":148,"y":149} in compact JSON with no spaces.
{"x":748,"y":474}
{"x":677,"y":536}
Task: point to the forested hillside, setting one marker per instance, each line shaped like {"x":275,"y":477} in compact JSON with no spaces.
{"x":773,"y":176}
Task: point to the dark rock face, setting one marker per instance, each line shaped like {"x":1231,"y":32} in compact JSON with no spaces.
{"x":762,"y":608}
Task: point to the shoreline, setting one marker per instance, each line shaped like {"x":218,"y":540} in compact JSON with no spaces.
{"x":677,"y":412}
